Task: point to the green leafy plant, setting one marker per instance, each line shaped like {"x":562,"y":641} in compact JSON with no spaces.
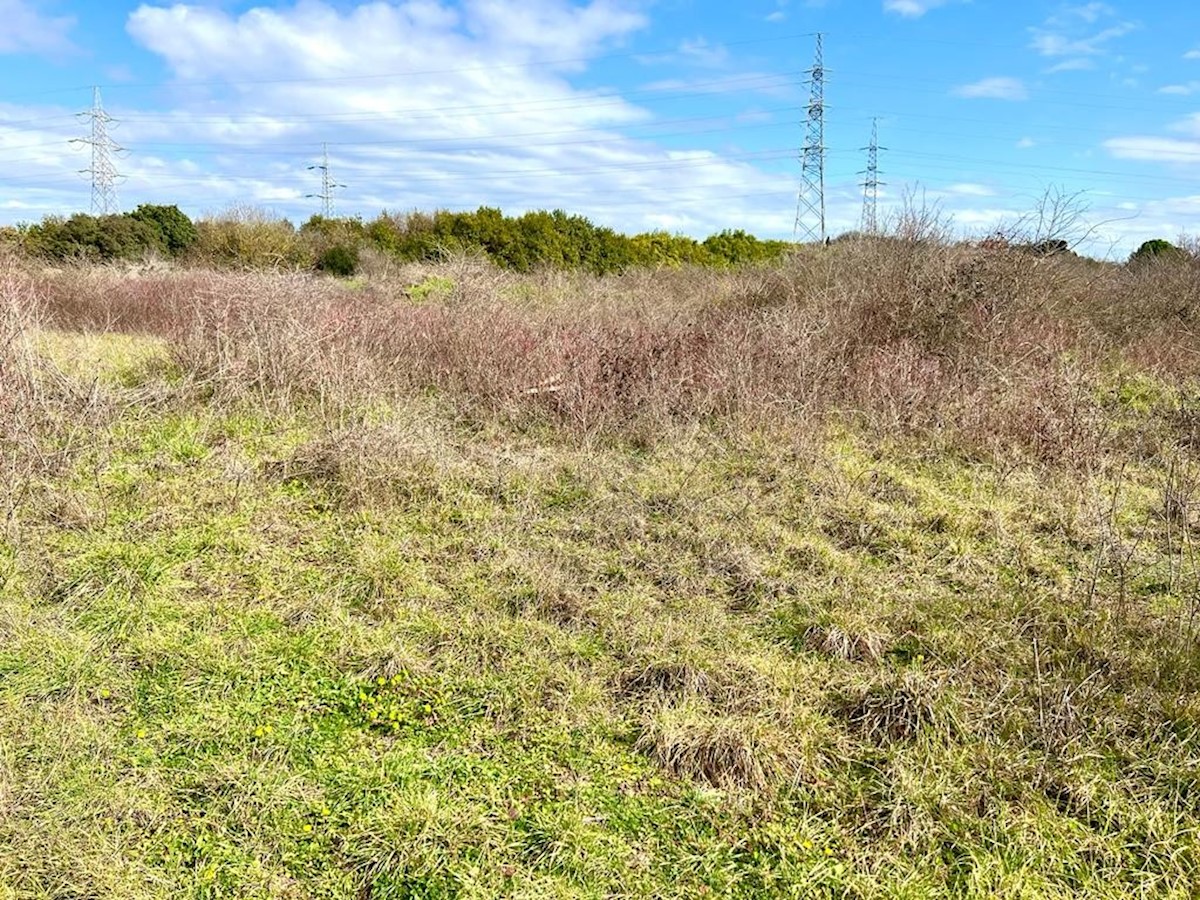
{"x":1155,"y":249}
{"x":339,"y":260}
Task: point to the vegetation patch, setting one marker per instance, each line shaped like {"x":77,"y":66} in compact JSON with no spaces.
{"x":842,"y":576}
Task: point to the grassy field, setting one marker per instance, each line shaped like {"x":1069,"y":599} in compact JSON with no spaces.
{"x":872,"y":574}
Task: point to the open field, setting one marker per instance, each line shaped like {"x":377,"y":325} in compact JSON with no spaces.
{"x":872,"y":574}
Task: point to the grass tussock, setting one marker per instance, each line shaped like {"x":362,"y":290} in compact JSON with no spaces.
{"x":872,"y":573}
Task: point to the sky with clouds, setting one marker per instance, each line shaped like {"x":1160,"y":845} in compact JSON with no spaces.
{"x":684,"y":115}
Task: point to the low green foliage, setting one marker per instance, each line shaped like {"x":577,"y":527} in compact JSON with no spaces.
{"x":431,"y":288}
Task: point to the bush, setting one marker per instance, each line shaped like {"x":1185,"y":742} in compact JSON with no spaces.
{"x":175,"y":231}
{"x":1156,"y":249}
{"x":251,"y":238}
{"x":95,"y":239}
{"x":339,"y":260}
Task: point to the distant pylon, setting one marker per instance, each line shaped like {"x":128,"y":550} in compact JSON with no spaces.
{"x":810,"y":205}
{"x":871,"y":183}
{"x":103,"y":171}
{"x":328,"y":185}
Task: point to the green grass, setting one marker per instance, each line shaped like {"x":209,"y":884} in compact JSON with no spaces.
{"x":255,"y":653}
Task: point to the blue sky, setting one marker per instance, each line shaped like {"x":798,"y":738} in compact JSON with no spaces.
{"x":675,"y":114}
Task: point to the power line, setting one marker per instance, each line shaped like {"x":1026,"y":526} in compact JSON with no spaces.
{"x":328,"y":185}
{"x":871,"y":183}
{"x":104,"y":148}
{"x":810,"y":205}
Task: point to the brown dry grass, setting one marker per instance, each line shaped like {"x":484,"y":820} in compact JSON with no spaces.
{"x":996,"y":350}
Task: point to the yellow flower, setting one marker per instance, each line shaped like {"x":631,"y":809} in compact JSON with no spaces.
{"x":307,"y":828}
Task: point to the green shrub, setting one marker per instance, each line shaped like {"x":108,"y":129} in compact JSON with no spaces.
{"x":339,"y":260}
{"x":435,"y":286}
{"x":90,"y":238}
{"x":1156,"y":249}
{"x":175,"y":231}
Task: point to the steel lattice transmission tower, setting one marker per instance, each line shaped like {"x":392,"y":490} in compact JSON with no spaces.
{"x":328,"y":185}
{"x":871,"y":183}
{"x":810,"y":206}
{"x":104,"y":149}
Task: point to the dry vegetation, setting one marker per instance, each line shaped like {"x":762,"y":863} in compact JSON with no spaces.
{"x":869,"y":574}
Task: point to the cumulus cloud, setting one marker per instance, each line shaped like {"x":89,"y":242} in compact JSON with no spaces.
{"x":26,"y":29}
{"x":427,"y":104}
{"x":993,"y":89}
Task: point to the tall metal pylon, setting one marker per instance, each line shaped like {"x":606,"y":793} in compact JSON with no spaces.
{"x":328,"y":185}
{"x":871,"y":183}
{"x":810,"y":205}
{"x":104,"y":148}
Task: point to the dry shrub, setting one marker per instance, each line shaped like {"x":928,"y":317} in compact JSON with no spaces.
{"x":993,"y":349}
{"x":23,"y":411}
{"x":19,"y":305}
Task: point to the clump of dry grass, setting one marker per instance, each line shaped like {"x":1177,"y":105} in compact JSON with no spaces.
{"x":723,"y":750}
{"x":894,"y":709}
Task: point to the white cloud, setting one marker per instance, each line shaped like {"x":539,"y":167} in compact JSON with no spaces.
{"x":778,"y":16}
{"x":1025,"y":143}
{"x":691,"y":52}
{"x":993,"y":89}
{"x":1192,"y":54}
{"x":1189,"y":125}
{"x":1078,"y":64}
{"x":1155,"y":149}
{"x":26,"y":30}
{"x":1069,"y":33}
{"x":969,"y":189}
{"x":911,"y":9}
{"x":1181,"y":90}
{"x":1090,"y":12}
{"x":425,"y":104}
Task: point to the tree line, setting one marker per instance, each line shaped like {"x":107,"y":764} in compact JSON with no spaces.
{"x":248,"y":237}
